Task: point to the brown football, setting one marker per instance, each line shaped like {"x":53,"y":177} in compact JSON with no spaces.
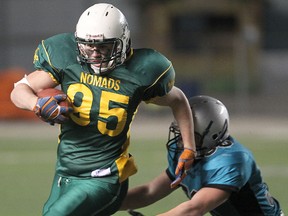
{"x":53,"y":91}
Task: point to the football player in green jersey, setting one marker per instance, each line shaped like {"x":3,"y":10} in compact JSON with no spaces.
{"x":106,"y":80}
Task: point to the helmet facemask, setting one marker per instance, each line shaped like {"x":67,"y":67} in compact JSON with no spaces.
{"x":174,"y":144}
{"x":103,"y":56}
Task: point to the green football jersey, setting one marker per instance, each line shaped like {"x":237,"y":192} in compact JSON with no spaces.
{"x":95,"y":140}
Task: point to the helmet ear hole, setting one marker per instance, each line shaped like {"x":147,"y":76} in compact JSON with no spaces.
{"x":214,"y":136}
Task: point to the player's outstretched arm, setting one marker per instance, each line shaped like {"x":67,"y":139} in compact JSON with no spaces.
{"x":148,"y":193}
{"x":201,"y":203}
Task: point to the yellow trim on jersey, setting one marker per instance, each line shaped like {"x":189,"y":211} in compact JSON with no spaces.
{"x":49,"y":62}
{"x":159,"y":77}
{"x":130,"y":54}
{"x":53,"y":78}
{"x":125,"y":163}
{"x":48,"y":58}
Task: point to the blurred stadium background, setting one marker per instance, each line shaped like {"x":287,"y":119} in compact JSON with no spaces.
{"x":234,"y":50}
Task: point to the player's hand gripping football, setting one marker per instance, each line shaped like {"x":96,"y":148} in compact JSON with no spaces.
{"x":49,"y":110}
{"x":185,"y":162}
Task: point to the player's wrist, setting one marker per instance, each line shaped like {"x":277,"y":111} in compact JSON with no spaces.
{"x":34,"y":104}
{"x":190,"y":151}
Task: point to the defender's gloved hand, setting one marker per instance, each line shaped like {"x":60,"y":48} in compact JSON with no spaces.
{"x":185,"y":162}
{"x":49,"y":110}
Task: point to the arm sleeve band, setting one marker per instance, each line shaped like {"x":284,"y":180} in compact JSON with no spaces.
{"x":23,"y":80}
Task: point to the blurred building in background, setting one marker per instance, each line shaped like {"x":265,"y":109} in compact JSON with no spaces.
{"x":235,"y":50}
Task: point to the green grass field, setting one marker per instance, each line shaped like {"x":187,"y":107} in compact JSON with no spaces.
{"x":26,"y":171}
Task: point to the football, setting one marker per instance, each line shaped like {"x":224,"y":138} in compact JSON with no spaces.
{"x":53,"y":91}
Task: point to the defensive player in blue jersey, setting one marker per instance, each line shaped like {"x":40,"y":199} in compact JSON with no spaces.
{"x":224,"y":179}
{"x":106,"y":80}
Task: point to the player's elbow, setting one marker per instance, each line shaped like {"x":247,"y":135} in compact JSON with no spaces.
{"x":22,"y":96}
{"x":14,"y":97}
{"x":177,"y":98}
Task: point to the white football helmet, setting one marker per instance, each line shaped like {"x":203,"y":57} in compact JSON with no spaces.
{"x":211,"y":124}
{"x":103,"y":37}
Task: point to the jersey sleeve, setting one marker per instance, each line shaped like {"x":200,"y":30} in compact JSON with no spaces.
{"x":55,"y":54}
{"x":162,"y":85}
{"x":42,"y":61}
{"x":163,"y":76}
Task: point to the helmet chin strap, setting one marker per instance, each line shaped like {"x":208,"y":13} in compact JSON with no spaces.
{"x":100,"y":70}
{"x":95,"y":69}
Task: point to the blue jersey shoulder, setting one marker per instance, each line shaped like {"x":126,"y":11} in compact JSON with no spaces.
{"x":229,"y":165}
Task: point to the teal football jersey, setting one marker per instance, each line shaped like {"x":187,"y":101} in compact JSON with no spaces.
{"x":231,"y":167}
{"x":95,"y":141}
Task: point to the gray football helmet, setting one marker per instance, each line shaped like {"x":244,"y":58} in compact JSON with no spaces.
{"x":211,"y":124}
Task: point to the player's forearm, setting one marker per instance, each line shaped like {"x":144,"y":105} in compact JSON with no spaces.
{"x":149,"y":193}
{"x":183,"y":115}
{"x":184,"y":208}
{"x":23,"y":97}
{"x":136,"y":198}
